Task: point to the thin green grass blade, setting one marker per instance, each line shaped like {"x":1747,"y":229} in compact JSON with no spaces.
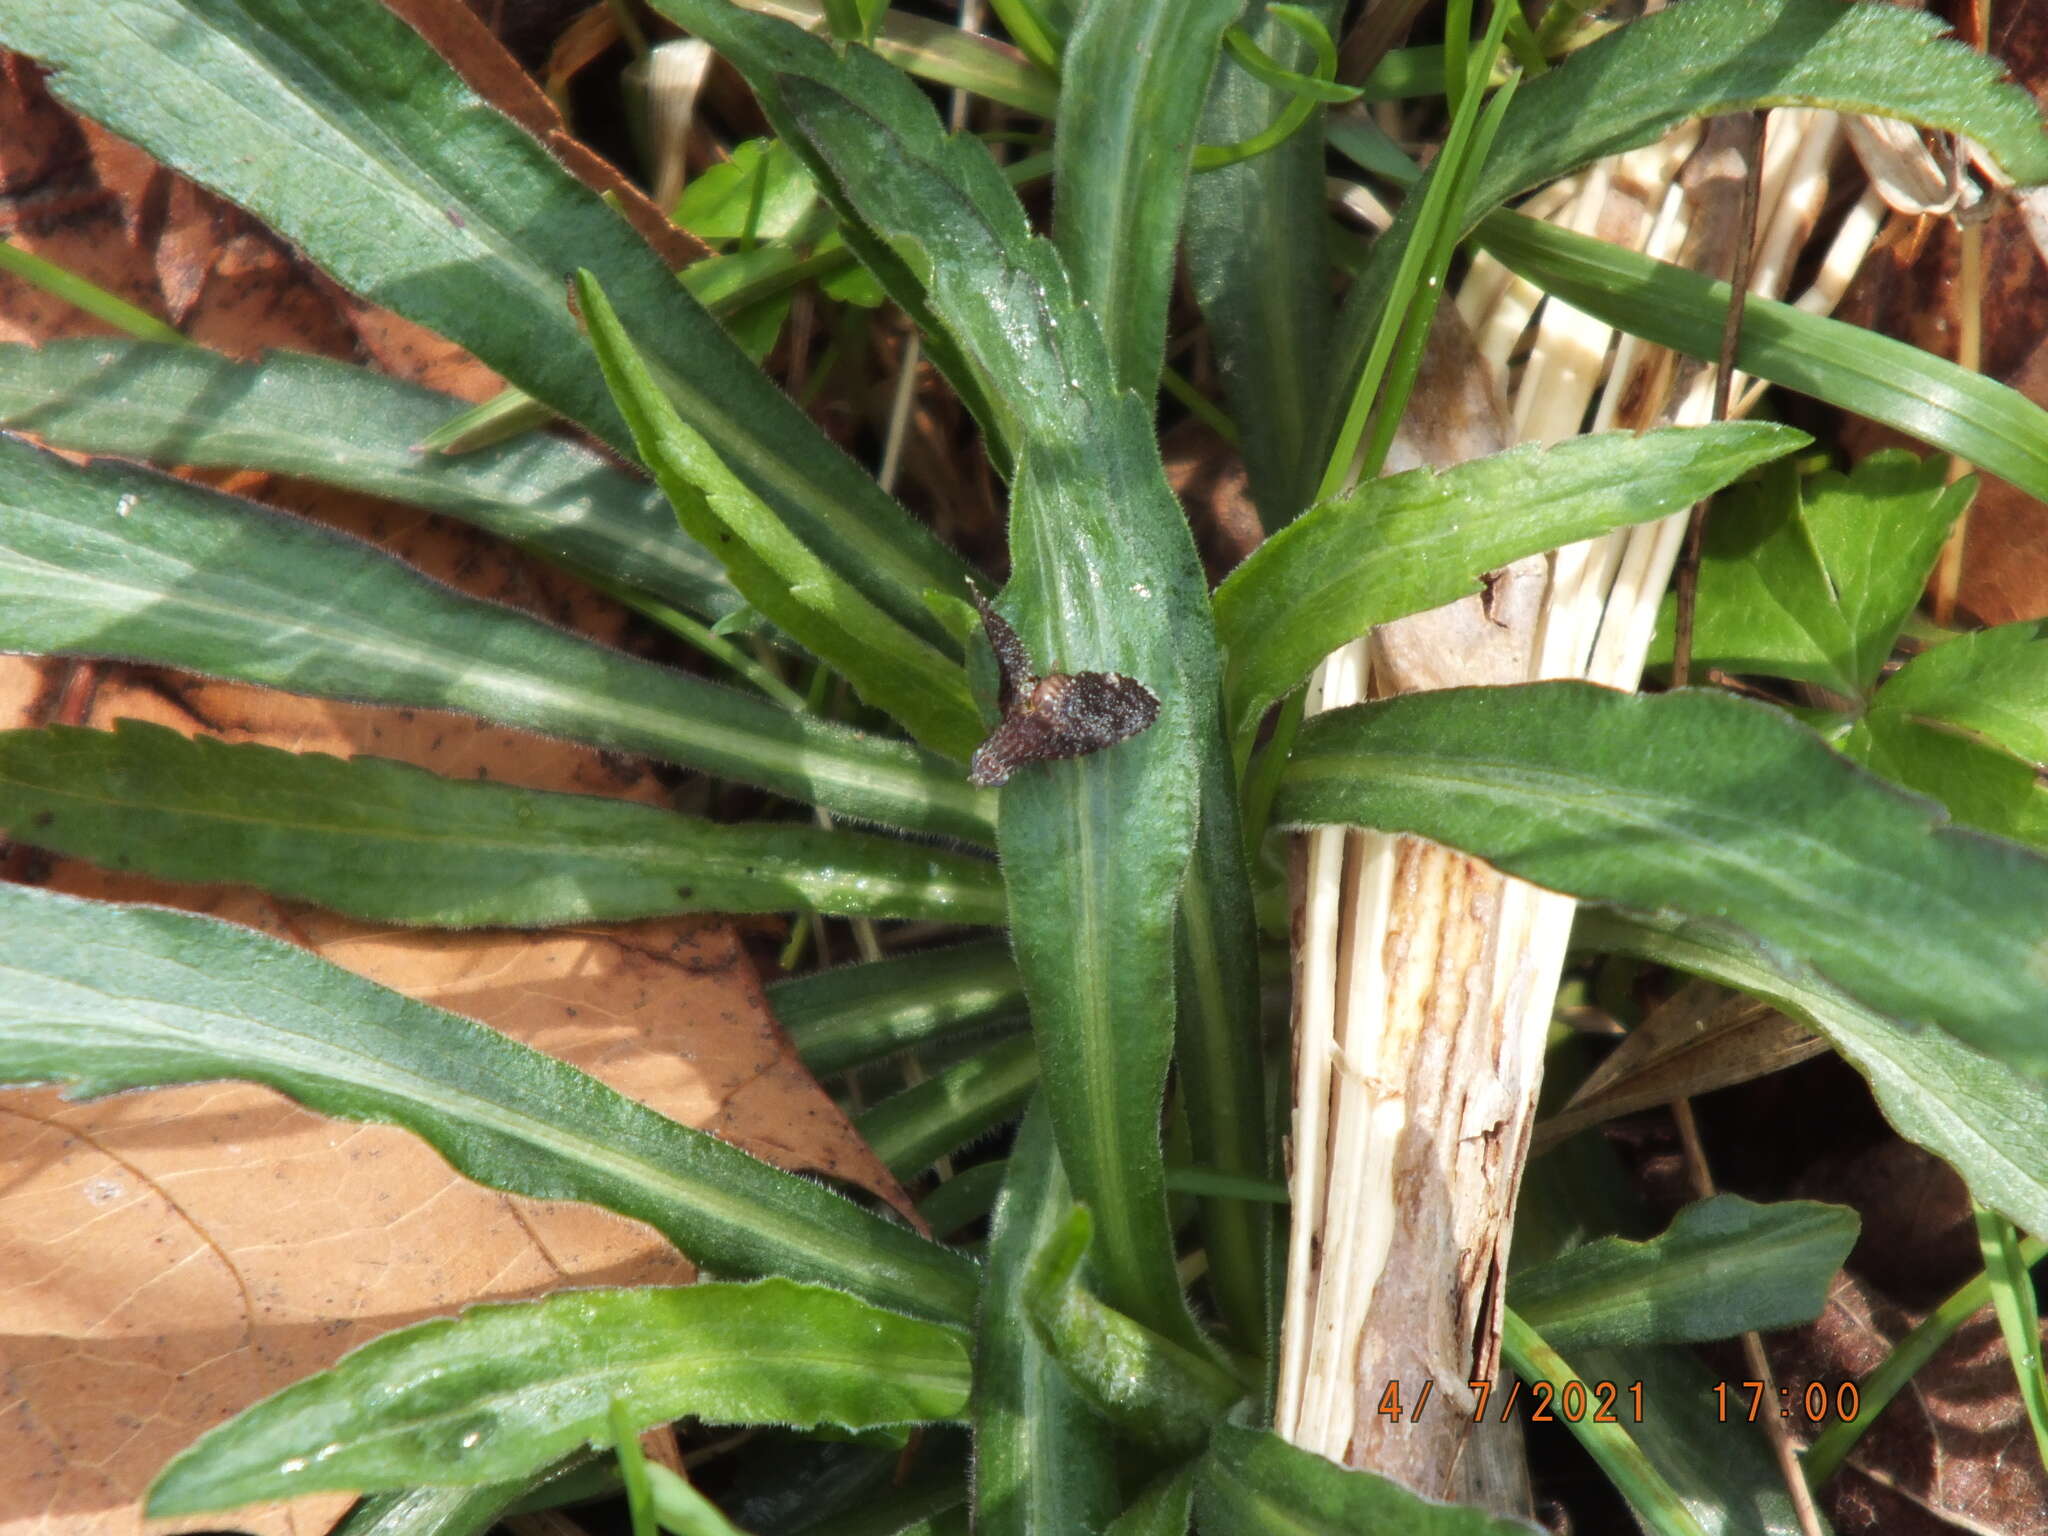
{"x":1579,"y":788}
{"x":1415,"y":541}
{"x":1832,"y":1446}
{"x":1041,"y":1461}
{"x":913,"y":1129}
{"x":501,"y":1391}
{"x":86,"y":296}
{"x":1979,"y":420}
{"x":112,"y":561}
{"x":1652,"y":1498}
{"x":1724,"y":1266}
{"x":2019,"y":1317}
{"x":891,"y":667}
{"x":291,"y":414}
{"x":1257,"y":256}
{"x":106,"y":998}
{"x":679,"y":1508}
{"x":943,"y":54}
{"x":1132,"y":82}
{"x":1988,"y":1123}
{"x":309,"y":115}
{"x":856,"y":1014}
{"x":389,"y":842}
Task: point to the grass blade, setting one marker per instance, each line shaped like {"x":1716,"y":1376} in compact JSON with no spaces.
{"x":1979,"y":420}
{"x":306,"y":116}
{"x":1415,"y":541}
{"x":1132,"y":80}
{"x":889,"y":666}
{"x":537,"y":1380}
{"x":1572,"y":787}
{"x":913,"y":1129}
{"x":2019,"y":1317}
{"x":121,"y":562}
{"x":104,"y":998}
{"x":292,"y":414}
{"x":386,"y":841}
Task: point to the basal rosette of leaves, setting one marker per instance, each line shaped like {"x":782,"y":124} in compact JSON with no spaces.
{"x":1106,"y":991}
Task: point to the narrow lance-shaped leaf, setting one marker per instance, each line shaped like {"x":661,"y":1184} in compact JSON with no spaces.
{"x":1979,"y":420}
{"x":1132,"y":79}
{"x":340,"y":128}
{"x":1705,"y":804}
{"x":1724,"y":1266}
{"x":1709,"y":57}
{"x":1258,"y":261}
{"x":501,"y":1391}
{"x":1041,"y":1461}
{"x":1414,"y":541}
{"x":1106,"y":579}
{"x":105,"y":998}
{"x":1252,"y":1483}
{"x":854,"y":1014}
{"x":1988,"y":1123}
{"x":913,"y":1129}
{"x":387,"y":841}
{"x":293,"y":414}
{"x":891,"y":667}
{"x":111,"y":561}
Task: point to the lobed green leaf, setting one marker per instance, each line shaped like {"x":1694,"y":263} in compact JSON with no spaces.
{"x":1716,"y":807}
{"x":292,"y":414}
{"x":340,"y":128}
{"x":1812,"y":578}
{"x":1724,"y":1266}
{"x":106,"y":998}
{"x":501,"y":1391}
{"x":111,"y":561}
{"x":1414,"y":541}
{"x":384,"y":840}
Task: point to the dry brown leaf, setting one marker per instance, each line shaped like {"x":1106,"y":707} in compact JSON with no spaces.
{"x":169,"y":1257}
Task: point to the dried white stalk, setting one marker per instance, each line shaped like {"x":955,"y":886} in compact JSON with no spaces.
{"x":1424,"y":980}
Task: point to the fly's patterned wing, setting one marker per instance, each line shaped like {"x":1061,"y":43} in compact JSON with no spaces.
{"x":1065,"y":715}
{"x":1013,"y":662}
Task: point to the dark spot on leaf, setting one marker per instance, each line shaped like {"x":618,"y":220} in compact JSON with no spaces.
{"x":43,"y":818}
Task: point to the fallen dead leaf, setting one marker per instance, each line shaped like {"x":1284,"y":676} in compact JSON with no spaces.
{"x":168,"y":1257}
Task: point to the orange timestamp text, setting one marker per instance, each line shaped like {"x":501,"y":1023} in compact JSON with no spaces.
{"x":1546,"y":1402}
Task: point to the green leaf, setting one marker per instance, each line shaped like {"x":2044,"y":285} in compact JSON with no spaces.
{"x":761,"y":193}
{"x":1980,"y":421}
{"x":1979,"y":786}
{"x":433,"y":1511}
{"x":1106,"y":578}
{"x":1257,"y":250}
{"x":384,"y":840}
{"x":890,"y":666}
{"x":1812,"y":579}
{"x":292,"y":414}
{"x":856,"y":1014}
{"x":2019,"y":1317}
{"x":1988,"y":1123}
{"x":1143,"y":1384}
{"x":1713,"y":806}
{"x":112,"y":561}
{"x":913,"y":1129}
{"x":1132,"y":82}
{"x":1414,"y":541}
{"x":1708,"y":57}
{"x":1162,"y":1509}
{"x":342,"y":130}
{"x":107,"y":998}
{"x":1724,"y":1266}
{"x":1991,"y":686}
{"x":501,"y":1391}
{"x":1253,"y":1483}
{"x":1041,"y":1461}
